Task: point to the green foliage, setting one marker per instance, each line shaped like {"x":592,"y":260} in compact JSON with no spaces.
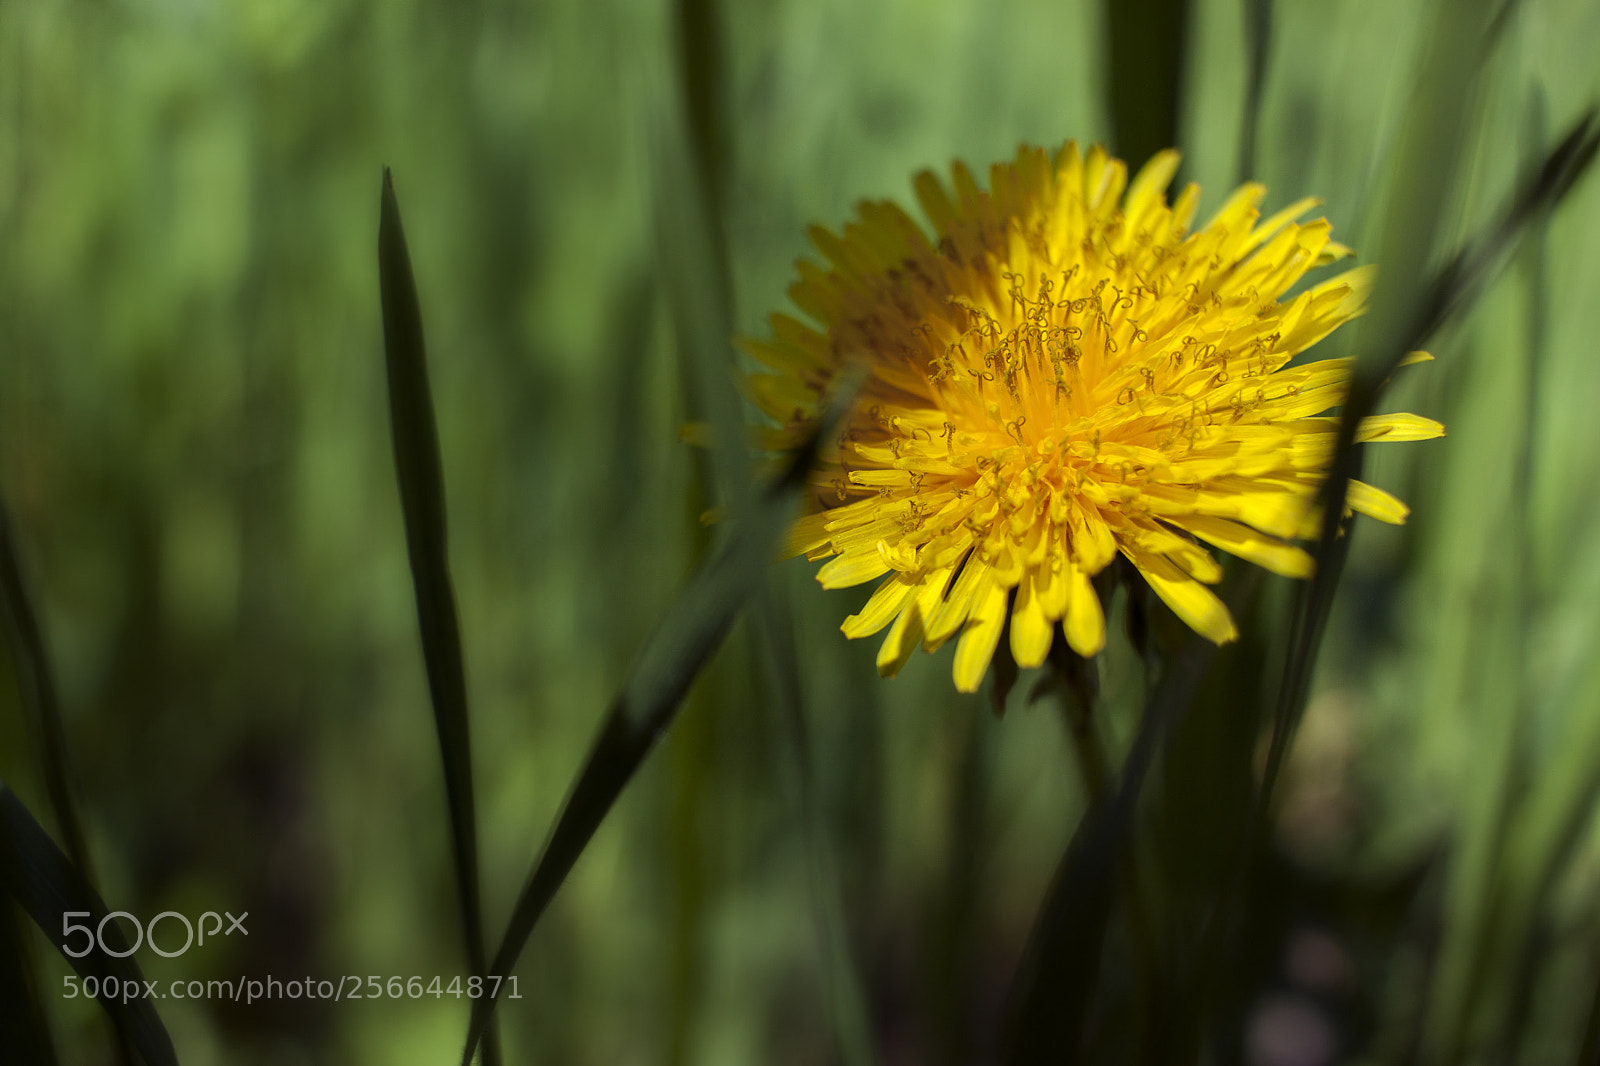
{"x":817,"y":865}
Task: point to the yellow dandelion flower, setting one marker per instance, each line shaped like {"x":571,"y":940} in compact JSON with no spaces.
{"x":1062,"y":373}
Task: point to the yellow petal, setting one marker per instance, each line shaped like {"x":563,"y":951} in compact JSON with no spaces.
{"x":1092,"y":541}
{"x":881,"y":608}
{"x":858,"y":567}
{"x":1332,"y":252}
{"x":903,"y":638}
{"x":1085,"y":622}
{"x":1275,"y":222}
{"x":1266,"y":552}
{"x":1196,"y":605}
{"x":806,"y":535}
{"x":1375,"y":503}
{"x":1398,"y":427}
{"x":980,"y":637}
{"x":948,"y":619}
{"x":1030,"y":628}
{"x":1151,"y":182}
{"x":1052,"y":589}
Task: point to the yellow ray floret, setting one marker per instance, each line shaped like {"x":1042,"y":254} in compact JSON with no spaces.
{"x":1061,"y":373}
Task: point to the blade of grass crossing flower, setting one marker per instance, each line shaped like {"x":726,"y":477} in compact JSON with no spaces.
{"x":49,"y":888}
{"x":692,"y":629}
{"x":1437,"y":300}
{"x":1433,"y":303}
{"x":1440,"y":299}
{"x":37,"y":681}
{"x":689,"y":225}
{"x":419,"y":471}
{"x":1433,"y":132}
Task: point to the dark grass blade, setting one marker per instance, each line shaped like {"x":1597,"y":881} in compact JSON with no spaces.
{"x":688,"y":148}
{"x":689,"y":178}
{"x":1589,"y":1049}
{"x":1057,"y":977}
{"x":1059,"y":972}
{"x":1441,"y":297}
{"x":22,"y":1018}
{"x":1446,"y":294}
{"x":43,"y":881}
{"x":1144,"y":68}
{"x":418,"y":467}
{"x":701,"y":72}
{"x":37,"y":682}
{"x":692,"y":629}
{"x":1258,"y":49}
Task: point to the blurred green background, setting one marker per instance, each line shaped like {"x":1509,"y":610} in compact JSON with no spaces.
{"x":194,"y":442}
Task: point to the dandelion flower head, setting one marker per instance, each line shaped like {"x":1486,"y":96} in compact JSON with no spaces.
{"x":1063,"y":373}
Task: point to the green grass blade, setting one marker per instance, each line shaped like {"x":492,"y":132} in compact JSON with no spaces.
{"x":1057,"y":977}
{"x":1433,"y":132}
{"x":688,"y":149}
{"x":22,"y":1016}
{"x":40,"y":877}
{"x":1145,"y":55}
{"x":1589,"y":1050}
{"x":1258,"y":47}
{"x":419,"y":470}
{"x":693,"y":628}
{"x":37,"y":681}
{"x":1443,"y":297}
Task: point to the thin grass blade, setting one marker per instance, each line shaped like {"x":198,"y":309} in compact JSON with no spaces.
{"x":1446,"y":294}
{"x":44,"y":882}
{"x":1431,"y":143}
{"x":1147,"y":43}
{"x":1258,"y":49}
{"x":37,"y":682}
{"x":693,"y":628}
{"x":420,"y":473}
{"x":22,"y":1017}
{"x":689,"y":170}
{"x":1057,"y":977}
{"x":687,"y":149}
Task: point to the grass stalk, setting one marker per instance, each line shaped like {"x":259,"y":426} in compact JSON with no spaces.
{"x":48,"y":887}
{"x":1258,"y":51}
{"x":420,"y":473}
{"x":31,"y":659}
{"x":1146,"y":45}
{"x":1057,"y":977}
{"x":693,"y":628}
